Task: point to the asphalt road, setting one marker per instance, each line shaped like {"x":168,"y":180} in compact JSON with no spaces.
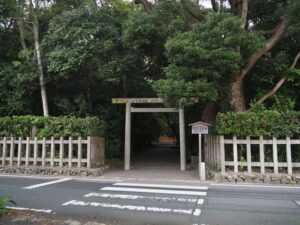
{"x":149,"y":202}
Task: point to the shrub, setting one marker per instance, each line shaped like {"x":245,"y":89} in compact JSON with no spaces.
{"x":268,"y":123}
{"x":3,"y":202}
{"x":22,"y":126}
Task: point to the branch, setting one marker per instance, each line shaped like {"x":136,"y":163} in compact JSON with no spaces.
{"x":279,"y":83}
{"x":244,"y":13}
{"x":215,"y":5}
{"x":193,"y":13}
{"x":186,"y":21}
{"x":147,"y":5}
{"x":281,"y":27}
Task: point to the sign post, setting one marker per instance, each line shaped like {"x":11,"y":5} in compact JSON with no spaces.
{"x":200,"y":128}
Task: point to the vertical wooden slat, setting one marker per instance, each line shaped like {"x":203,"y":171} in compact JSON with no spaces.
{"x":235,"y":154}
{"x":43,"y":151}
{"x":79,"y":152}
{"x":61,"y":152}
{"x":35,"y":149}
{"x":209,"y":151}
{"x":70,"y":152}
{"x":4,"y":152}
{"x":12,"y":151}
{"x":88,"y":152}
{"x":52,"y":149}
{"x":218,"y":163}
{"x":275,"y":155}
{"x":19,"y":151}
{"x":249,"y":168}
{"x":205,"y":148}
{"x":289,"y":156}
{"x":27,"y":151}
{"x":222,"y":154}
{"x":262,"y":154}
{"x":215,"y":152}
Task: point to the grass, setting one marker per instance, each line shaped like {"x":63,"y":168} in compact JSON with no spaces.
{"x":3,"y":202}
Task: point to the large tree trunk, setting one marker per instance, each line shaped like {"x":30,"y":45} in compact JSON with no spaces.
{"x":237,"y":95}
{"x":237,"y":98}
{"x":39,"y":57}
{"x":209,"y":112}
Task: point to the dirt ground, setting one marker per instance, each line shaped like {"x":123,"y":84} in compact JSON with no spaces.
{"x":29,"y":218}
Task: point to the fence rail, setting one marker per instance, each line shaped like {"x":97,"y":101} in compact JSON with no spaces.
{"x":216,"y":153}
{"x":52,"y":152}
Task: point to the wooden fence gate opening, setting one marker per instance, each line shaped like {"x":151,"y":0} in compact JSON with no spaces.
{"x":130,"y":109}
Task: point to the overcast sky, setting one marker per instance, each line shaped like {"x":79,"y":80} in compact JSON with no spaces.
{"x":205,"y":3}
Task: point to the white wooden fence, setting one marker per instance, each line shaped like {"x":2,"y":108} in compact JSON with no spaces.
{"x":217,"y":149}
{"x":52,"y":152}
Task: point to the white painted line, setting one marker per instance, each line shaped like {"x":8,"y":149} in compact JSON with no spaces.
{"x":197,"y":212}
{"x":298,"y":202}
{"x":200,"y":201}
{"x":254,"y":186}
{"x":146,"y":198}
{"x":29,"y":209}
{"x":47,"y":183}
{"x":162,"y":186}
{"x":160,"y":191}
{"x":130,"y":207}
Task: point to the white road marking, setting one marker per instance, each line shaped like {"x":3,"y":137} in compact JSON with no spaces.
{"x":47,"y":183}
{"x":254,"y":186}
{"x":197,"y":212}
{"x":200,"y":201}
{"x":298,"y":202}
{"x":130,"y":207}
{"x":160,"y":191}
{"x":162,"y":186}
{"x":29,"y":209}
{"x":146,"y":198}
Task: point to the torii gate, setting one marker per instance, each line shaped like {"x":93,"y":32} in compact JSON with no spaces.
{"x":129,"y":110}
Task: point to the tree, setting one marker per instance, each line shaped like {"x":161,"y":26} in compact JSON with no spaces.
{"x":35,"y":23}
{"x":253,"y":19}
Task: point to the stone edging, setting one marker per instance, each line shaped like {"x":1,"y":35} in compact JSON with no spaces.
{"x":95,"y":172}
{"x":255,"y":178}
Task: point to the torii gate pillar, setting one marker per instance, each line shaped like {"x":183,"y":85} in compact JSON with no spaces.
{"x":129,"y":110}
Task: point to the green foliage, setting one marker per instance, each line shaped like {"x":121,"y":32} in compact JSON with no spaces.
{"x":3,"y":202}
{"x":267,"y":122}
{"x":25,"y":126}
{"x":201,"y":61}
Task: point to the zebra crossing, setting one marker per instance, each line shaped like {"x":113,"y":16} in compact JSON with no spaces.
{"x":145,"y":197}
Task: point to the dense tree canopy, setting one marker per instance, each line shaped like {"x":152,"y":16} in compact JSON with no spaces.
{"x":76,"y":55}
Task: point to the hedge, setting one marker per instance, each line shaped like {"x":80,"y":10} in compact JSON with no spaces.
{"x":268,"y":123}
{"x":38,"y":126}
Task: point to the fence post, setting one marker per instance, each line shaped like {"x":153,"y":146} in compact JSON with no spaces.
{"x":52,"y":148}
{"x":43,"y":151}
{"x":275,"y":155}
{"x":88,"y":153}
{"x":19,"y":151}
{"x":12,"y":149}
{"x":97,"y":151}
{"x":27,"y":151}
{"x":79,"y":152}
{"x":70,"y":152}
{"x":235,"y":155}
{"x":289,"y":156}
{"x":262,"y":154}
{"x":218,"y":152}
{"x":222,"y":150}
{"x":4,"y":152}
{"x":249,"y":168}
{"x":61,"y":152}
{"x":35,"y":148}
